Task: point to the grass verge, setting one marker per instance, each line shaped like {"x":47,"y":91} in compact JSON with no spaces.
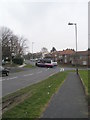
{"x":85,"y":76}
{"x":31,"y":101}
{"x":28,"y":66}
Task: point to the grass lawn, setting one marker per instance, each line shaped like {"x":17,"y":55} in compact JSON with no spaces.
{"x":28,"y":66}
{"x":10,"y":65}
{"x":85,"y":75}
{"x":31,"y":101}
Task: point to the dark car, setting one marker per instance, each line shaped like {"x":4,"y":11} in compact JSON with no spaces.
{"x":4,"y":71}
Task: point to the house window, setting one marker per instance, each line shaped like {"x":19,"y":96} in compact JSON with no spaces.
{"x":65,"y":60}
{"x":84,"y":62}
{"x":80,"y":57}
{"x":60,"y":56}
{"x":65,"y":56}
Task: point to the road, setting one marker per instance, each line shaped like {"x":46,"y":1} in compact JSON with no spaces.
{"x":16,"y":81}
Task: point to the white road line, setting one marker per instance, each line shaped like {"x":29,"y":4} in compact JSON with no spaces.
{"x":10,"y":78}
{"x":28,"y":75}
{"x":39,"y":72}
{"x":62,"y":69}
{"x":13,"y":78}
{"x":3,"y":79}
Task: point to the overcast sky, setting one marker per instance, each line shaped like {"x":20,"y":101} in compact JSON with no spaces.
{"x":45,"y":22}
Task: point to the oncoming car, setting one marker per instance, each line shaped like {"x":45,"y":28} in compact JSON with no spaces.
{"x":4,"y":71}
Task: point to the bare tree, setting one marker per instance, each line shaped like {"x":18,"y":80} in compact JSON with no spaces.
{"x":44,"y":51}
{"x":22,"y":45}
{"x":5,"y":34}
{"x":12,"y":45}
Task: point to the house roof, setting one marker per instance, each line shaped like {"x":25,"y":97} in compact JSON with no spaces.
{"x":83,"y":52}
{"x":67,"y":52}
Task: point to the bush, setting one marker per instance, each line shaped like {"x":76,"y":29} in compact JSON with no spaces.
{"x":18,"y":60}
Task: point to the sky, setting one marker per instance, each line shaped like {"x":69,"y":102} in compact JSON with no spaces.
{"x":45,"y":22}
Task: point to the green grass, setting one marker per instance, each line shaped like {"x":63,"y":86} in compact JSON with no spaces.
{"x":28,"y":66}
{"x":84,"y":77}
{"x":10,"y":65}
{"x":36,"y":98}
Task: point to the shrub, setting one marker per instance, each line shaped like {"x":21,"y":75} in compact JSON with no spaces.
{"x":18,"y":60}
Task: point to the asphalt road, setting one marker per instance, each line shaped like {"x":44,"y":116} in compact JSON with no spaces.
{"x":16,"y":81}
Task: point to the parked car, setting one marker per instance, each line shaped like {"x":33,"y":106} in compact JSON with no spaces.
{"x":3,"y":62}
{"x":4,"y":71}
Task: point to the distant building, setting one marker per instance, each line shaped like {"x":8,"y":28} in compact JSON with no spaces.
{"x":68,"y":56}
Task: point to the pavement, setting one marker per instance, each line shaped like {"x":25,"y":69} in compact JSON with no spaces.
{"x":69,"y":102}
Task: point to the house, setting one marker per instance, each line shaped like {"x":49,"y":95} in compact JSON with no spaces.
{"x":80,"y":58}
{"x":65,"y":56}
{"x":69,"y":56}
{"x":61,"y":56}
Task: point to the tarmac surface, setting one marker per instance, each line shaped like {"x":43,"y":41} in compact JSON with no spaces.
{"x":69,"y":102}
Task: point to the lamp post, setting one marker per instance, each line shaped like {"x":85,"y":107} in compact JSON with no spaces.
{"x":76,"y":43}
{"x":32,"y":49}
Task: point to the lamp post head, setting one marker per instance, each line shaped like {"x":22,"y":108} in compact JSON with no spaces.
{"x":71,"y":23}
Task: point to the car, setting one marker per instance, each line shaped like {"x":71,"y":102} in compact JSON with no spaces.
{"x":45,"y":63}
{"x":55,"y":63}
{"x":4,"y":71}
{"x":3,"y":62}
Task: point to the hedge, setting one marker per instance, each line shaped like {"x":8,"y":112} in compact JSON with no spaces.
{"x":18,"y":61}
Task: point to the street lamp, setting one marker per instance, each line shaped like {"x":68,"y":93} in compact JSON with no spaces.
{"x":32,"y":49}
{"x":76,"y":43}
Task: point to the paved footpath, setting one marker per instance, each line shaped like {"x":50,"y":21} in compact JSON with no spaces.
{"x":69,"y":101}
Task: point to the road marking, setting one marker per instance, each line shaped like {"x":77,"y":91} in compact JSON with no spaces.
{"x":39,"y":72}
{"x":10,"y":78}
{"x":13,"y":78}
{"x":28,"y":75}
{"x":3,"y":79}
{"x":62,"y":69}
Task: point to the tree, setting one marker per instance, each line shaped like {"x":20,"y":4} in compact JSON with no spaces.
{"x":22,"y":45}
{"x":53,"y":49}
{"x":44,"y":50}
{"x":12,"y":45}
{"x":5,"y":35}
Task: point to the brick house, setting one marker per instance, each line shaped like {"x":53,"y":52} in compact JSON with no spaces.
{"x":65,"y":56}
{"x":68,"y":56}
{"x":61,"y":56}
{"x":82,"y":58}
